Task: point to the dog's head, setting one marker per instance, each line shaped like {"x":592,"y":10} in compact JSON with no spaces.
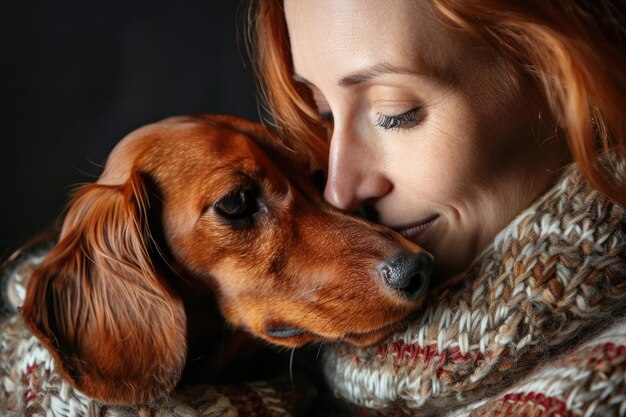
{"x":209,"y":202}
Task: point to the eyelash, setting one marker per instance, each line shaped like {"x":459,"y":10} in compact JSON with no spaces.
{"x":401,"y":121}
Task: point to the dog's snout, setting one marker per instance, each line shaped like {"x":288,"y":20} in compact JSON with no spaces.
{"x":408,"y":272}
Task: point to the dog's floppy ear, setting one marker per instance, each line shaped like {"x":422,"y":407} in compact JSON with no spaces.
{"x":114,"y":324}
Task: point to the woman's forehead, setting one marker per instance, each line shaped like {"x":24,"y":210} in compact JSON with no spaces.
{"x":333,"y":39}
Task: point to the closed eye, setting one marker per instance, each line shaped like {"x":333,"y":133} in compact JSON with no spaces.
{"x":405,"y":120}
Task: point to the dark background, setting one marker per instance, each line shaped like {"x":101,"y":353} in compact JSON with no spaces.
{"x":78,"y":75}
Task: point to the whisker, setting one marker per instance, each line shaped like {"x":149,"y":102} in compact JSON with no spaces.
{"x":293,"y":350}
{"x":314,"y":307}
{"x":343,"y":320}
{"x":319,"y":349}
{"x":319,"y":313}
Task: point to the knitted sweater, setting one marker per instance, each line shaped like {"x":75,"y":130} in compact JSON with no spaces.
{"x":533,"y":328}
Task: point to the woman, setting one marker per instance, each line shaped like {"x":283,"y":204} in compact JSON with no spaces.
{"x":455,"y":122}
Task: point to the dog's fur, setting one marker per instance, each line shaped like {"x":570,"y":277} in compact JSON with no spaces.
{"x":202,"y":205}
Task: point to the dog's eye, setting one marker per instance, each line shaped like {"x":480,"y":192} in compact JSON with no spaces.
{"x":238,"y":206}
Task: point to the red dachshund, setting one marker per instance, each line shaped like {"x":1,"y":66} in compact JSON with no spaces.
{"x":192,"y":204}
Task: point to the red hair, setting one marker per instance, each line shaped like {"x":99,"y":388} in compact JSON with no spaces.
{"x":573,"y":49}
{"x":288,"y":105}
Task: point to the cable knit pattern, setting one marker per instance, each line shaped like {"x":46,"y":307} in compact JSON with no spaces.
{"x":589,"y":381}
{"x":555,"y":272}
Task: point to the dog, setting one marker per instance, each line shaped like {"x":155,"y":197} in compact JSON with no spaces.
{"x":195,"y":213}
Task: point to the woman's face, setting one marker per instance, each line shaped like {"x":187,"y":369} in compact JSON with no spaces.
{"x":430,"y":129}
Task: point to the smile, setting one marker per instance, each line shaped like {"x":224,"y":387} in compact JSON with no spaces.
{"x":413,"y":231}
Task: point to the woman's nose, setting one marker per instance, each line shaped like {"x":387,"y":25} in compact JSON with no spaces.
{"x":355,"y":174}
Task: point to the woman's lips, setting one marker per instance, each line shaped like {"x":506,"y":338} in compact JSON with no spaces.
{"x":416,"y":229}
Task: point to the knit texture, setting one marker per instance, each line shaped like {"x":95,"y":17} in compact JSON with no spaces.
{"x":31,"y":386}
{"x":532,"y":306}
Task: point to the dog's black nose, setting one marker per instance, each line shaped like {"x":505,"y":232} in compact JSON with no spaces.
{"x":408,"y":272}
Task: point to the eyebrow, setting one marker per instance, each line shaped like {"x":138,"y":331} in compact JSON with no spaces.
{"x":362,"y":75}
